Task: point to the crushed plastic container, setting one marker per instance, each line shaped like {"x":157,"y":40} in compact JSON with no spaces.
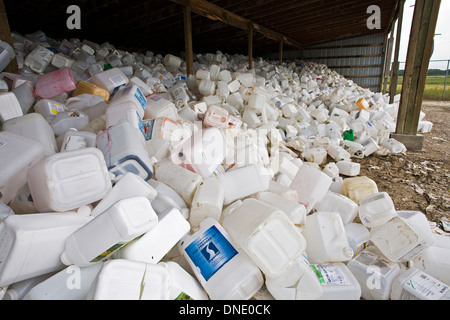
{"x":7,"y":54}
{"x":17,"y":155}
{"x":84,"y":87}
{"x":75,"y":140}
{"x":167,"y":198}
{"x":31,"y":244}
{"x":55,"y":83}
{"x":267,"y":235}
{"x":39,"y":59}
{"x":376,"y":210}
{"x":224,"y":270}
{"x":207,"y":201}
{"x":68,"y":180}
{"x":124,"y":221}
{"x":9,"y":106}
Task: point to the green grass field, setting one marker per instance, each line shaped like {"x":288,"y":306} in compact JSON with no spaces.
{"x":434,"y":88}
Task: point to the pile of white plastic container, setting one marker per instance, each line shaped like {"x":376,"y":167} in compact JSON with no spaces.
{"x":123,"y":178}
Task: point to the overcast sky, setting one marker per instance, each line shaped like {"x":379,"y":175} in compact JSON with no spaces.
{"x":442,"y":41}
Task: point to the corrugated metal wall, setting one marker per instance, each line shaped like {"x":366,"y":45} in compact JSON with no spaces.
{"x":360,"y":59}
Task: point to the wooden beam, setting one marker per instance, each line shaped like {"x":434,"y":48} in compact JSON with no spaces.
{"x":5,"y":35}
{"x":387,"y":65}
{"x":396,"y":63}
{"x":250,"y":46}
{"x":188,"y":40}
{"x":214,"y":12}
{"x":417,"y":62}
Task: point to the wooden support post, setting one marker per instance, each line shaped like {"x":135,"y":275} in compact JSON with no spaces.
{"x":384,"y":61}
{"x":188,"y":40}
{"x":250,"y":46}
{"x":5,"y":35}
{"x":387,"y":65}
{"x":417,"y":62}
{"x":280,"y":53}
{"x":396,"y":63}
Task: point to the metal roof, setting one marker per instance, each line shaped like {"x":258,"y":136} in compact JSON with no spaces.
{"x":157,"y":25}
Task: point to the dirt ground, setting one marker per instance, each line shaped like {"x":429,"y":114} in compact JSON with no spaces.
{"x":419,"y":180}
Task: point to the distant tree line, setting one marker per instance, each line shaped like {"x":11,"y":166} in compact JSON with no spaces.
{"x":431,"y":72}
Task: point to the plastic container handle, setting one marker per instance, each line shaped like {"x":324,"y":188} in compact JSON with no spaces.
{"x":338,"y":226}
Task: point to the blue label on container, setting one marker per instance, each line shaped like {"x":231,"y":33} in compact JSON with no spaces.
{"x":210,"y":252}
{"x":148,"y":128}
{"x":141,"y":124}
{"x":140,"y":98}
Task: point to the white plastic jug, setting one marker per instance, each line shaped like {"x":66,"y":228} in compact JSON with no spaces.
{"x":65,"y":120}
{"x":242,"y":182}
{"x":25,"y":96}
{"x":358,"y":237}
{"x":31,"y":244}
{"x":376,"y":210}
{"x":111,"y":80}
{"x":167,"y":198}
{"x":325,"y":235}
{"x":38,"y":59}
{"x":157,"y":242}
{"x":17,"y":155}
{"x":182,"y":180}
{"x":18,"y":290}
{"x":311,"y":185}
{"x":375,"y":273}
{"x":345,"y":206}
{"x":415,"y":284}
{"x":403,"y":237}
{"x":48,"y":108}
{"x":159,"y":107}
{"x":338,"y":283}
{"x":130,"y":95}
{"x":7,"y":54}
{"x":124,"y":221}
{"x":348,"y":168}
{"x":71,"y":283}
{"x":68,"y":180}
{"x":129,"y":185}
{"x":295,"y":211}
{"x":124,"y":151}
{"x":207,"y":201}
{"x":9,"y":106}
{"x":75,"y":140}
{"x":266,"y":234}
{"x":226,"y":272}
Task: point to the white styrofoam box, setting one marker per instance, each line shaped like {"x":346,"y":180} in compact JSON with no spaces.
{"x":17,"y":155}
{"x":68,"y":180}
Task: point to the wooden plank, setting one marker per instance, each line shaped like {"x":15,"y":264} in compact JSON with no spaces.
{"x":188,"y":39}
{"x":396,"y":63}
{"x":417,"y":62}
{"x":5,"y":35}
{"x":347,"y":57}
{"x":250,"y":46}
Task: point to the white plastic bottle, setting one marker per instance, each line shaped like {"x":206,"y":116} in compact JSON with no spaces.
{"x":207,"y":201}
{"x":338,"y":282}
{"x":159,"y":107}
{"x":157,"y":242}
{"x":376,"y":210}
{"x":7,"y":54}
{"x":358,"y":237}
{"x":71,"y":283}
{"x":348,"y":168}
{"x":266,"y":234}
{"x":325,"y":235}
{"x":111,"y":80}
{"x":124,"y":221}
{"x":167,"y":198}
{"x":375,"y":273}
{"x":415,"y":284}
{"x":226,"y":272}
{"x":31,"y":244}
{"x":65,"y":120}
{"x":9,"y":106}
{"x":18,"y":290}
{"x":345,"y":206}
{"x":68,"y":180}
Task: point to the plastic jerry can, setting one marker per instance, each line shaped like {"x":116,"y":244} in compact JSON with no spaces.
{"x":68,"y":180}
{"x":65,"y":120}
{"x":182,"y":180}
{"x":17,"y":155}
{"x":125,"y":112}
{"x":71,"y":283}
{"x":338,"y":282}
{"x":338,"y":153}
{"x":294,"y":210}
{"x":266,"y":234}
{"x":172,"y":61}
{"x":327,"y":242}
{"x":7,"y":54}
{"x":38,"y":59}
{"x":84,"y":87}
{"x":167,"y":198}
{"x":435,"y":260}
{"x":415,"y":284}
{"x":159,"y":107}
{"x":121,"y":279}
{"x":31,"y":244}
{"x":348,"y":168}
{"x":25,"y":96}
{"x":75,"y":140}
{"x":299,"y":283}
{"x":311,"y":185}
{"x":163,"y":129}
{"x":224,"y":271}
{"x":129,"y":185}
{"x":34,"y":127}
{"x":59,"y":61}
{"x":55,"y":83}
{"x":48,"y":108}
{"x":362,"y":104}
{"x":124,"y":150}
{"x":316,"y":155}
{"x":202,"y":152}
{"x":110,"y":80}
{"x":403,"y":237}
{"x":130,"y":95}
{"x":215,"y":117}
{"x":376,"y":210}
{"x":9,"y":106}
{"x":244,"y":181}
{"x":157,"y":242}
{"x":375,"y":273}
{"x":207,"y":201}
{"x":359,"y":188}
{"x":124,"y":221}
{"x":346,"y":207}
{"x":358,"y":237}
{"x":355,"y":149}
{"x":331,"y":170}
{"x":370,"y":146}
